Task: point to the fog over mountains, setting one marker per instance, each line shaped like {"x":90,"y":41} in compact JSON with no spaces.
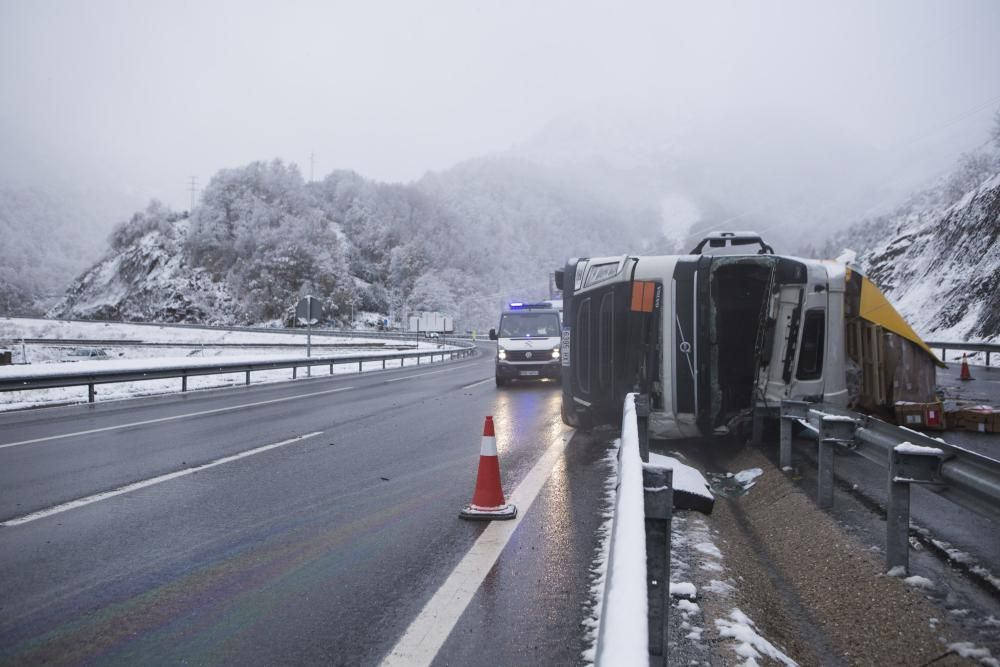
{"x":467,"y":239}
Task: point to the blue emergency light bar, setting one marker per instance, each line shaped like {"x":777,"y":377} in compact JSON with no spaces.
{"x":520,"y":305}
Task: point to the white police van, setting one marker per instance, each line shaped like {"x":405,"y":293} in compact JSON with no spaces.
{"x":528,"y":342}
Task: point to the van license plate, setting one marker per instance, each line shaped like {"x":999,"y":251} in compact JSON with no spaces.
{"x":529,"y":372}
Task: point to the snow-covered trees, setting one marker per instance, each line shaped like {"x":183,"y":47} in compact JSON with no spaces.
{"x":462,"y":242}
{"x":261,"y":230}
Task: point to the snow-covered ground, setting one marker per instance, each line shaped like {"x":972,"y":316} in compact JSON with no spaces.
{"x":49,"y":359}
{"x":14,"y":329}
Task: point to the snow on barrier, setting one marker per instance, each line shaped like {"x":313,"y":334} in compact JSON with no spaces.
{"x":620,"y":640}
{"x":637,"y":584}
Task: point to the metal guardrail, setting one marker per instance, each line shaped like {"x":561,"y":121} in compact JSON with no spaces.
{"x":966,"y":478}
{"x":69,"y":378}
{"x":988,"y":348}
{"x":643,"y":506}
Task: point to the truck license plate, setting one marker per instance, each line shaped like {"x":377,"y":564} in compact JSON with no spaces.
{"x":529,"y":372}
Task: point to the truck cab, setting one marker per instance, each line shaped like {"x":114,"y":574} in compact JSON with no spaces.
{"x":528,"y":342}
{"x":708,"y":335}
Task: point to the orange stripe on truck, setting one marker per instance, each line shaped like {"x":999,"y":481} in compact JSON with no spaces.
{"x":643,"y":295}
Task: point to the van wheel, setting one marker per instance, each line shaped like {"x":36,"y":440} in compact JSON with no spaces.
{"x":502,"y":382}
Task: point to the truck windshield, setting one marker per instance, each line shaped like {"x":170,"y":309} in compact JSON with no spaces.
{"x":525,"y":325}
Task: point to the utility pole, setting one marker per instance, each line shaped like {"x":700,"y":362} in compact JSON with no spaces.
{"x":193,"y":184}
{"x":312,"y":166}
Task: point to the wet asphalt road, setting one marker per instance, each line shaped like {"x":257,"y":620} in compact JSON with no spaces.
{"x":319,"y":551}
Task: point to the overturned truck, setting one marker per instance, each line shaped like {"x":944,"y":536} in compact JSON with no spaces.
{"x":712,"y":335}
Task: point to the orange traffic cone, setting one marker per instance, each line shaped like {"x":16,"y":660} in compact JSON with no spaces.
{"x":487,"y":499}
{"x":965,"y":369}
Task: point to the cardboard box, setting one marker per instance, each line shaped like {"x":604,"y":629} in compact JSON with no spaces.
{"x":981,"y":418}
{"x":924,"y":416}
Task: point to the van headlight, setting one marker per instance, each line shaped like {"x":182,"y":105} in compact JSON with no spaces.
{"x":501,"y":354}
{"x":555,"y":353}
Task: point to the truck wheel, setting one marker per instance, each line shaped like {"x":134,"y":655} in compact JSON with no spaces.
{"x":502,"y":382}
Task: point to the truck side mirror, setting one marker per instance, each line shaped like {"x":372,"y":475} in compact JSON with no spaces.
{"x":559,"y":273}
{"x":493,"y":334}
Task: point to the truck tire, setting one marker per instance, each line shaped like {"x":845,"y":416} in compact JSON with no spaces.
{"x":502,"y":382}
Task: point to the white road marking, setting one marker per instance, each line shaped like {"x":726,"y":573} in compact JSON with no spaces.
{"x":174,"y":417}
{"x":476,"y":384}
{"x":429,"y":630}
{"x":135,"y":486}
{"x":416,"y":375}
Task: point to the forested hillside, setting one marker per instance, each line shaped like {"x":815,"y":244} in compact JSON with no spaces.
{"x":461,"y":241}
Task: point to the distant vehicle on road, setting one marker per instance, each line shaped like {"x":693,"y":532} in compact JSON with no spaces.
{"x":428,"y":322}
{"x":527,"y":343}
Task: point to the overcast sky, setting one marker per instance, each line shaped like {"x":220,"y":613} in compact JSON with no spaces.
{"x":138,"y":96}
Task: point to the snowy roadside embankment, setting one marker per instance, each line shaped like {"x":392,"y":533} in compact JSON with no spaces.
{"x":159,"y":359}
{"x":618,"y":625}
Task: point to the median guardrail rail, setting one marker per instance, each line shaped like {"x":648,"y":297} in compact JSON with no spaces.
{"x":966,"y":478}
{"x":987,"y":348}
{"x":63,"y":377}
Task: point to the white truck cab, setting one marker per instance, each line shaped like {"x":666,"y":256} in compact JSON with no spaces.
{"x":528,"y":342}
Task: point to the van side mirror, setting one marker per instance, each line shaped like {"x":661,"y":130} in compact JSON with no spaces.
{"x":493,"y":334}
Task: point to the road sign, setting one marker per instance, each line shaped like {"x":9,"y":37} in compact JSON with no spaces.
{"x":309,"y":311}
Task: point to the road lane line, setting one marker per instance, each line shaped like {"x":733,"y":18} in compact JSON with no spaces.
{"x":429,"y":630}
{"x":417,"y":375}
{"x":135,"y":486}
{"x":476,"y":384}
{"x":174,"y":417}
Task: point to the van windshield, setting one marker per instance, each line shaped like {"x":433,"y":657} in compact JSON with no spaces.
{"x":529,"y":325}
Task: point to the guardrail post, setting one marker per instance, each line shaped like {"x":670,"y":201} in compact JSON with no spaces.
{"x":642,"y":423}
{"x":907,"y":465}
{"x":295,"y":371}
{"x":757,"y":426}
{"x":91,"y":393}
{"x":248,"y":378}
{"x":418,"y":360}
{"x":359,"y":366}
{"x":897,"y":521}
{"x":658,"y":499}
{"x":833,"y":430}
{"x":184,"y":382}
{"x":790,"y":411}
{"x":383,"y":364}
{"x":331,"y":368}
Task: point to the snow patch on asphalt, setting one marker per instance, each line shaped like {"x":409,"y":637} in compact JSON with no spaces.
{"x":919,"y":582}
{"x":968,"y":561}
{"x":970,"y":650}
{"x":750,"y":645}
{"x":747,"y":478}
{"x":734,"y":485}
